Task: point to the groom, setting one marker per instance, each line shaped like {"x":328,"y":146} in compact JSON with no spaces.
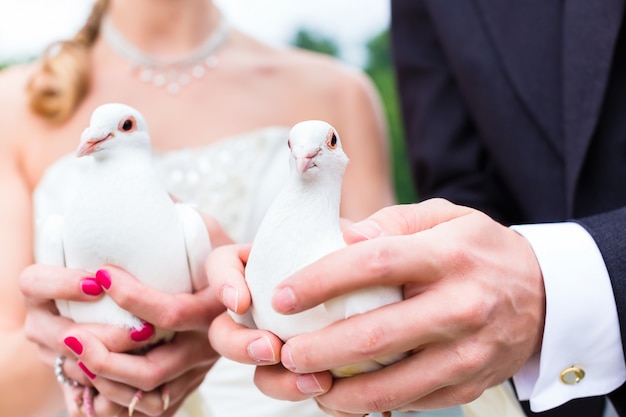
{"x":518,"y":109}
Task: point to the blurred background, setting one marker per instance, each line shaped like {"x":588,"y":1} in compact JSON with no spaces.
{"x":354,"y":31}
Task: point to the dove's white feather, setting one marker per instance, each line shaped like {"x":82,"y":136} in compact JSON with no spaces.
{"x":197,"y":244}
{"x":300,"y":227}
{"x":49,"y":248}
{"x":121,"y":215}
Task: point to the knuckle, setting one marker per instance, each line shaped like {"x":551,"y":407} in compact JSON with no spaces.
{"x":124,"y":299}
{"x":377,"y":262}
{"x":179,"y":313}
{"x":465,"y":393}
{"x":171,"y":317}
{"x":459,"y":255}
{"x":472,"y":313}
{"x":471,"y":364}
{"x":376,"y":399}
{"x":30,"y":330}
{"x":97,"y":367}
{"x":438,"y":203}
{"x":370,"y":340}
{"x":154,"y":374}
{"x":25,"y":278}
{"x":152,"y":379}
{"x":470,"y":361}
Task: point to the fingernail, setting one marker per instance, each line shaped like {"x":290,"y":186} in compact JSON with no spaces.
{"x":91,"y":286}
{"x":104,"y":278}
{"x":284,"y":300}
{"x":165,"y":396}
{"x":87,"y":372}
{"x":230,"y":298}
{"x":286,"y":358}
{"x":369,"y":229}
{"x":143,"y":334}
{"x":261,"y":350}
{"x":73,"y":343}
{"x":308,"y":384}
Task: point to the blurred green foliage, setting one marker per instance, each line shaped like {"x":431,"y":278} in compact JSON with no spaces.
{"x":378,"y":66}
{"x":312,"y":41}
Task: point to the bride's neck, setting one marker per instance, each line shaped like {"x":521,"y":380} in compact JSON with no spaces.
{"x":164,"y":26}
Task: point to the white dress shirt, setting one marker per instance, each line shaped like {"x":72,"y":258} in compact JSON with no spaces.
{"x":581,"y":354}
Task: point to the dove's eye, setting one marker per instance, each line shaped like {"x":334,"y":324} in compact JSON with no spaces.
{"x":289,"y":144}
{"x":128,"y":124}
{"x":331,"y":140}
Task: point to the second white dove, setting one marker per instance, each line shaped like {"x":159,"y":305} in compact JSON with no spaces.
{"x":301,"y":226}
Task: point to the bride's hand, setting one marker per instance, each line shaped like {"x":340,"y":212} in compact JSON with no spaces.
{"x":181,"y":364}
{"x":166,"y":374}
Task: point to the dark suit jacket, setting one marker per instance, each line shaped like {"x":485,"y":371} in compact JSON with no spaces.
{"x":518,"y":108}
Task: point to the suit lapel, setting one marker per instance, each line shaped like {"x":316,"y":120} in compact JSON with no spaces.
{"x":529,"y":48}
{"x":590,"y":30}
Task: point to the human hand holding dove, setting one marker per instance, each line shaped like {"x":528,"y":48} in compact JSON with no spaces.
{"x":122,"y":215}
{"x":180,"y":364}
{"x":301,"y":226}
{"x":388,"y":251}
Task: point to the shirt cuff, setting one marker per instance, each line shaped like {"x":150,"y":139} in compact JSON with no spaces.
{"x":581,"y":353}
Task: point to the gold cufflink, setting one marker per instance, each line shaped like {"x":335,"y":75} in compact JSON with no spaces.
{"x":572,"y":375}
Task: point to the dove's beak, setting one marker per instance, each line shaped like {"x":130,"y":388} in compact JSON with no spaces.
{"x":90,"y":142}
{"x":304,"y":163}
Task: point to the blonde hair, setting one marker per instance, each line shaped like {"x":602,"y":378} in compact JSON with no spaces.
{"x":62,"y":80}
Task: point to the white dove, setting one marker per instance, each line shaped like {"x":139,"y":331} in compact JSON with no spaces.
{"x":301,"y":226}
{"x":122,"y":215}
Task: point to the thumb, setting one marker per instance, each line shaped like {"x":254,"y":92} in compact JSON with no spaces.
{"x":404,"y":219}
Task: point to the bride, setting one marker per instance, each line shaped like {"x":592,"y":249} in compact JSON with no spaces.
{"x":219,"y":105}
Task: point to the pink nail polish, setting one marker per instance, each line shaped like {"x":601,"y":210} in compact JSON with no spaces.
{"x":73,"y":343}
{"x":143,"y":334}
{"x":86,"y":370}
{"x":104,"y":278}
{"x":91,"y":286}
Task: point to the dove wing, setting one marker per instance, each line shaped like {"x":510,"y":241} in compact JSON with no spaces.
{"x":197,"y":243}
{"x":49,"y":250}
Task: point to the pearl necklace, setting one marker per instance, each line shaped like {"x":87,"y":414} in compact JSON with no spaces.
{"x":173,"y":73}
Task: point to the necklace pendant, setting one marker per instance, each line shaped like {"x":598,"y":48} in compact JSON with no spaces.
{"x":159,"y":80}
{"x":172,"y":74}
{"x":198,"y":71}
{"x":145,"y":75}
{"x":173,"y":88}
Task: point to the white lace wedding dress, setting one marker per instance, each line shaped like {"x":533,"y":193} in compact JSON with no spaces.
{"x":233,"y":180}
